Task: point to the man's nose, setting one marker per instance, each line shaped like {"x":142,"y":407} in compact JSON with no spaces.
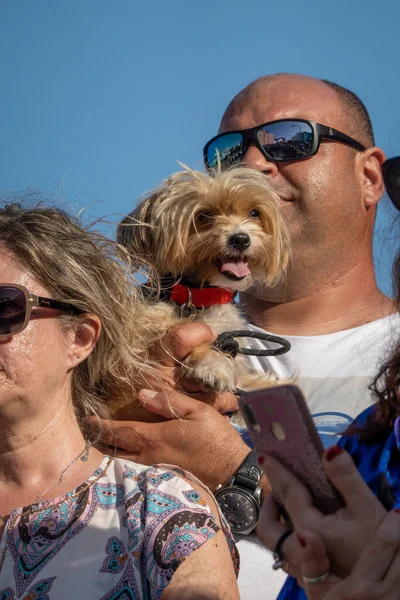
{"x":254,"y":159}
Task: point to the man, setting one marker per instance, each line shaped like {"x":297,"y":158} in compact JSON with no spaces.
{"x":329,"y":204}
{"x":329,"y":307}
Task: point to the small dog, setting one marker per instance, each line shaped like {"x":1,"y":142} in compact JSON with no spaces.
{"x":208,"y":237}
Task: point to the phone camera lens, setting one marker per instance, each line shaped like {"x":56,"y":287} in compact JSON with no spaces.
{"x":278,"y":431}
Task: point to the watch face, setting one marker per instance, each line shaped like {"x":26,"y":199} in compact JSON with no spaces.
{"x":239,"y":508}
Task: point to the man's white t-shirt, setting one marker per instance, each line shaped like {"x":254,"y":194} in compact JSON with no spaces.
{"x":334,"y":371}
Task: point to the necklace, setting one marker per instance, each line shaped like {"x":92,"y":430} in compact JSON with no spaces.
{"x":84,"y":456}
{"x":30,"y":511}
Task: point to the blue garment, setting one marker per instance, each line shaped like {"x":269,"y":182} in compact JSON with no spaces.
{"x":379,"y":465}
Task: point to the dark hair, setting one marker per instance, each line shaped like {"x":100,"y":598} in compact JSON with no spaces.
{"x":356,"y":110}
{"x":385,"y":386}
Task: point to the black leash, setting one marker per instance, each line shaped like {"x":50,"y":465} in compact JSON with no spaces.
{"x":226,"y":343}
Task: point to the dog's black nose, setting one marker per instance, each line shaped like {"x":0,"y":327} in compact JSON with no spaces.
{"x":239,"y":241}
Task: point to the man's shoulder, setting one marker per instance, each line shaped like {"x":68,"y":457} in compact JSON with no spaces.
{"x":380,"y":325}
{"x":335,"y":368}
{"x":388,"y":323}
{"x":371,"y":340}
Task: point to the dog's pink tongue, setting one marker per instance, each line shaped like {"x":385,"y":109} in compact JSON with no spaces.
{"x":240,"y":268}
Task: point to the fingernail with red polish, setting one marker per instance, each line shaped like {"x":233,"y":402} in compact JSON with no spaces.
{"x":333,"y":452}
{"x":302,"y":541}
{"x":260,"y":460}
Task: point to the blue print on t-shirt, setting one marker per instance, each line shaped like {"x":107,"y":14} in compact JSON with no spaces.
{"x":331,"y":426}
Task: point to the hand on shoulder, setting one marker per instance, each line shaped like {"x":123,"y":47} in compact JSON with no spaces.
{"x":195,"y":437}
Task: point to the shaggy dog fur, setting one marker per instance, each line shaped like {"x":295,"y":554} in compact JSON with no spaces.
{"x":222,"y":230}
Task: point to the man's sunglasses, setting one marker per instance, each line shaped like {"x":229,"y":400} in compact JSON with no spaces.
{"x":391,"y":177}
{"x":284,"y":140}
{"x":16,"y":304}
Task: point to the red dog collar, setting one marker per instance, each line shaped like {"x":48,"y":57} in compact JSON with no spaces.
{"x":200,"y":297}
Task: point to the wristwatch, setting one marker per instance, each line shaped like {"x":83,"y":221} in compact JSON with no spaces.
{"x":240,"y":498}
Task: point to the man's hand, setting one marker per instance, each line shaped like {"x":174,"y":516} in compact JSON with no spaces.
{"x":174,"y":348}
{"x":196,"y":437}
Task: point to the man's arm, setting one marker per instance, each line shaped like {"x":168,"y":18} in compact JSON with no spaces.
{"x":195,"y":437}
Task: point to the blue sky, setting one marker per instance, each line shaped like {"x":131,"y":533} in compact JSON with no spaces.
{"x":99,"y":99}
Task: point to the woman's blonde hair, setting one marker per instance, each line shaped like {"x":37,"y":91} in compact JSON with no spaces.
{"x":83,"y":267}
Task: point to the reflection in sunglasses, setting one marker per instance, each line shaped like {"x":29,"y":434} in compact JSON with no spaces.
{"x":281,"y":140}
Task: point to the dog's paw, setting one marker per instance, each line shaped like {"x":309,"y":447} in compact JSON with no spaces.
{"x":212,"y":369}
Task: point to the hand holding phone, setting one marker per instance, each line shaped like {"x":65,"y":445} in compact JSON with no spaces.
{"x":280,"y":425}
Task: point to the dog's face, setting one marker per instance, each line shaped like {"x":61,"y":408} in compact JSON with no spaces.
{"x":225,"y":231}
{"x":234,"y":243}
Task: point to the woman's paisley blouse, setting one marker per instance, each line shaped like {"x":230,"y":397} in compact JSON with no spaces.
{"x":123,"y":536}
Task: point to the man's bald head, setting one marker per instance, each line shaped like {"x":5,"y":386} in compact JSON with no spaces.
{"x":328,"y":199}
{"x":356,"y":120}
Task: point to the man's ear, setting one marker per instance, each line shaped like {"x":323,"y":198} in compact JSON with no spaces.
{"x":84,"y":339}
{"x":371,"y":162}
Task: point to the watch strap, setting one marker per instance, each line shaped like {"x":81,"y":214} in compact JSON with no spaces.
{"x":249,"y":473}
{"x":240,"y":498}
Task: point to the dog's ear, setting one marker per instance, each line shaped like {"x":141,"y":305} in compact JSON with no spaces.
{"x":135,"y":231}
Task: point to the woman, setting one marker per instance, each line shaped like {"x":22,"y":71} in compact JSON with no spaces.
{"x":354,"y":553}
{"x":76,"y":523}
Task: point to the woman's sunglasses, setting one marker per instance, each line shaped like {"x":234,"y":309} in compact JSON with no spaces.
{"x":284,"y":140}
{"x":16,"y":304}
{"x":391,"y":177}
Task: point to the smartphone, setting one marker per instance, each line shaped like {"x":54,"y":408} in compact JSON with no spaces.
{"x":281,"y":425}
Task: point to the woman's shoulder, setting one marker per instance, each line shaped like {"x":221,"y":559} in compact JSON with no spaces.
{"x":376,"y":458}
{"x":352,"y":441}
{"x":175,"y":509}
{"x":166,"y":485}
{"x":358,"y":437}
{"x":155,"y":482}
{"x":159,"y":476}
{"x":121,"y":466}
{"x":175,"y":496}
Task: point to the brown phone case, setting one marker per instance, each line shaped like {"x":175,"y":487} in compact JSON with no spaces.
{"x":280,"y":425}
